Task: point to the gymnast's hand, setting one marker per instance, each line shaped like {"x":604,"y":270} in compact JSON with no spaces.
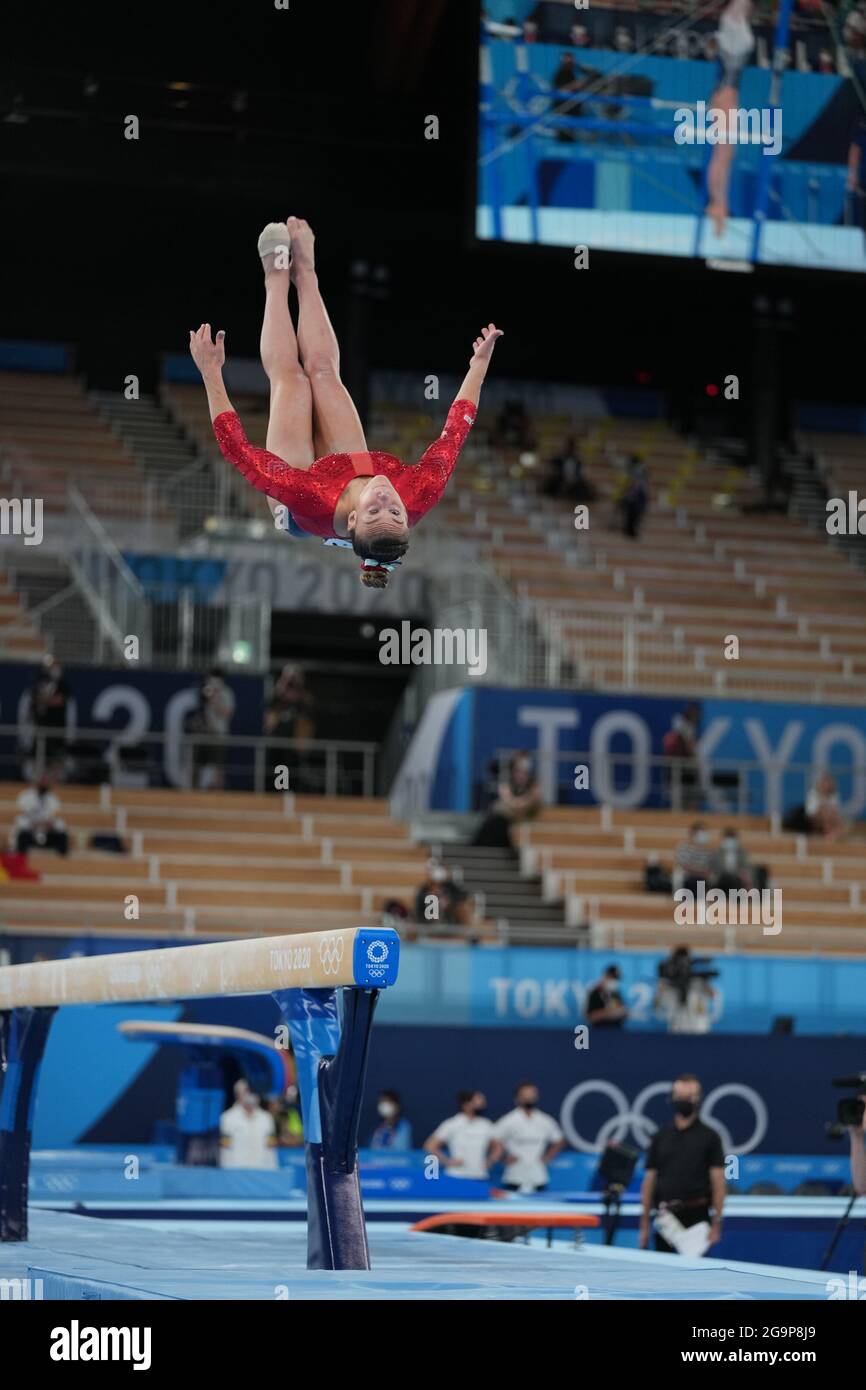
{"x":483,"y":346}
{"x":208,"y":356}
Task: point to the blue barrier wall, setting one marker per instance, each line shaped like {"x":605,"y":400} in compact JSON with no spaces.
{"x":127,"y":704}
{"x":98,"y":1088}
{"x":527,"y":987}
{"x":607,"y":727}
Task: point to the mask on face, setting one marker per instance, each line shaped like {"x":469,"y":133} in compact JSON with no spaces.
{"x":387,"y":1109}
{"x":529,"y":1104}
{"x":685,"y":1108}
{"x":701,"y":837}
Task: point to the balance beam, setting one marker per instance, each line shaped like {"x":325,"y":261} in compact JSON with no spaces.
{"x":303,"y":973}
{"x":353,"y":956}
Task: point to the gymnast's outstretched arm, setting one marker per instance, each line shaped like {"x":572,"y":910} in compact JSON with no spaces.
{"x":210,"y":358}
{"x":437,"y":463}
{"x":265,"y":471}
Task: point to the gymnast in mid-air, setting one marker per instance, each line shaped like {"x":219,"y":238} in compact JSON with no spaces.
{"x":317,"y":472}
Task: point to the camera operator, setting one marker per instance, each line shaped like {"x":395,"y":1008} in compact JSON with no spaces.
{"x":685,"y":1169}
{"x":684,"y":994}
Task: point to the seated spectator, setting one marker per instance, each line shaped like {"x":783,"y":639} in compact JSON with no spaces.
{"x":732,"y":867}
{"x":290,"y":709}
{"x":248,"y":1134}
{"x":518,"y":798}
{"x":512,"y":427}
{"x":395,"y":914}
{"x":634,"y":501}
{"x":450,"y":901}
{"x":822,"y":809}
{"x":604,"y":1005}
{"x":693,"y":860}
{"x":656,"y":878}
{"x":39,"y":824}
{"x":393,"y":1131}
{"x":467,"y":1136}
{"x":565,"y":475}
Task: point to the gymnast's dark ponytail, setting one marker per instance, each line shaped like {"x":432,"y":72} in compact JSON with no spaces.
{"x":378,"y":559}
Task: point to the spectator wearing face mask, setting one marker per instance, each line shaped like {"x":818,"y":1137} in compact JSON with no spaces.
{"x":39,"y":824}
{"x":441,"y":899}
{"x":393,"y":1130}
{"x":732,"y":868}
{"x":248,"y":1134}
{"x":468,"y":1137}
{"x":693,"y":860}
{"x":604,"y":1006}
{"x":529,"y":1141}
{"x":685,"y":1169}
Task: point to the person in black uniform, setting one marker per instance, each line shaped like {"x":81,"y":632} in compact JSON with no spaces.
{"x":604,"y":1005}
{"x":685,"y":1168}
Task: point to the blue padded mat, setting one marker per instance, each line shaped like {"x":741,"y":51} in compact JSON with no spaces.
{"x":80,"y":1258}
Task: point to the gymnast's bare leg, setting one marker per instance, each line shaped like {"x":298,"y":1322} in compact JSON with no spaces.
{"x":290,"y":423}
{"x":337,"y":427}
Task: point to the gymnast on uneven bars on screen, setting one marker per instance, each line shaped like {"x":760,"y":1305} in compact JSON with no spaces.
{"x":318,"y":474}
{"x":735,"y":42}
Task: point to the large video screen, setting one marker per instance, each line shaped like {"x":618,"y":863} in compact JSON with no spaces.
{"x":732,"y":132}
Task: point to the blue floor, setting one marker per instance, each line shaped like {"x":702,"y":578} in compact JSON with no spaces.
{"x":77,"y":1258}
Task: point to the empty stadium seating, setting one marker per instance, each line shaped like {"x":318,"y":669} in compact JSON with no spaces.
{"x":594,"y":859}
{"x":214,"y":864}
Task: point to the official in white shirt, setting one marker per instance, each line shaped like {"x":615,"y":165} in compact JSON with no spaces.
{"x":529,"y":1139}
{"x":248,"y":1134}
{"x":468,"y":1137}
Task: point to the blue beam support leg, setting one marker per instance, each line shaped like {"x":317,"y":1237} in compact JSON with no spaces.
{"x":23,"y":1033}
{"x":331,"y":1065}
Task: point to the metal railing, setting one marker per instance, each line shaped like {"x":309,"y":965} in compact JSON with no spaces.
{"x":34,"y":619}
{"x":173,"y":626}
{"x":734,"y":786}
{"x":115,"y":597}
{"x":177,"y":758}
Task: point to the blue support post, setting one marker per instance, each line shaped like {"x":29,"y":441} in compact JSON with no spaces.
{"x":331,"y":1065}
{"x":23,"y":1033}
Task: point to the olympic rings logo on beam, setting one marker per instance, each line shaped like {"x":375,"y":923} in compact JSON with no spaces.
{"x":377,"y":955}
{"x":633,"y":1120}
{"x":331,"y":953}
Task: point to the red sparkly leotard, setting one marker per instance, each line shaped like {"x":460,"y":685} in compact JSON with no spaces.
{"x":311,"y":495}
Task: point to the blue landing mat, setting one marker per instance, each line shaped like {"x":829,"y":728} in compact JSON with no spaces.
{"x":79,"y":1258}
